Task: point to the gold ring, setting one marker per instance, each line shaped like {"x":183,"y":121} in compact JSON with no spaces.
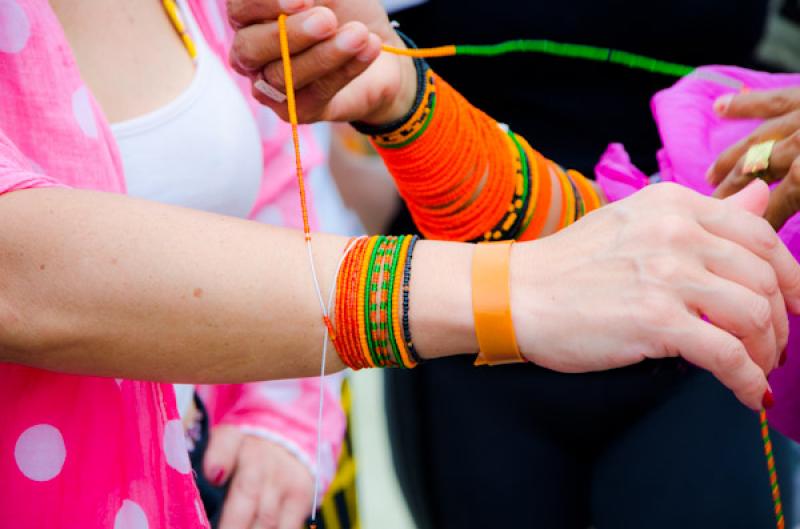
{"x":756,"y":160}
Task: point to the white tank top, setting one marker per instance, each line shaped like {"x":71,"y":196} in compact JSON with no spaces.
{"x":202,"y":150}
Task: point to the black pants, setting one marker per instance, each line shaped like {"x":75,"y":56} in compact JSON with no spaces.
{"x":657,"y":445}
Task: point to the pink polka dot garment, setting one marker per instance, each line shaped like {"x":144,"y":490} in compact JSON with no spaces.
{"x":86,"y":452}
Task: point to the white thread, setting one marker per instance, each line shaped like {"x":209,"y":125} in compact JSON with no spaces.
{"x":325,"y":311}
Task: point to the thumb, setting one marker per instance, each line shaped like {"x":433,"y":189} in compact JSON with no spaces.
{"x":220,"y":456}
{"x":753,"y":198}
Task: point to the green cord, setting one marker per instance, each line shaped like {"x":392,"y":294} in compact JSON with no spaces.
{"x":579,"y":51}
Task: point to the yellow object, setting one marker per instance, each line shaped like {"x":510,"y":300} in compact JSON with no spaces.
{"x":491,"y":304}
{"x":756,"y":160}
{"x":174,"y":14}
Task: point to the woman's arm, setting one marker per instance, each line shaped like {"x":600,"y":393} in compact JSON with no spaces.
{"x":100,"y":284}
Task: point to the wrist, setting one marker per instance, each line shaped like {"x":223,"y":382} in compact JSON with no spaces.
{"x":440,"y":307}
{"x":397,"y":108}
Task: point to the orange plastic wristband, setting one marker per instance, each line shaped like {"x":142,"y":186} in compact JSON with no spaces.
{"x":491,"y":304}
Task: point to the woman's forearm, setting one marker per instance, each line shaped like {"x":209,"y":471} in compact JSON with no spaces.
{"x":100,"y":284}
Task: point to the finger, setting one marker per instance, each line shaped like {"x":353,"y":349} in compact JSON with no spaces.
{"x":269,"y":508}
{"x":245,"y":12}
{"x":783,"y":155}
{"x":758,"y":104}
{"x":325,"y":59}
{"x":315,"y":100}
{"x":773,"y":129}
{"x":717,"y":351}
{"x":293,"y":513}
{"x":257,"y":45}
{"x":220,"y":456}
{"x":784,"y":201}
{"x":732,"y":262}
{"x":755,"y":234}
{"x":739,"y":311}
{"x":242,"y":502}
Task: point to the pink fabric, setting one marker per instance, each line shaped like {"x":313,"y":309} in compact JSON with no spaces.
{"x":84,"y":452}
{"x":693,"y":136}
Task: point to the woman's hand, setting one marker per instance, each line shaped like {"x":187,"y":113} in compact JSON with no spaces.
{"x":270,"y":488}
{"x":339,"y":71}
{"x":636,"y":279}
{"x":781,"y":110}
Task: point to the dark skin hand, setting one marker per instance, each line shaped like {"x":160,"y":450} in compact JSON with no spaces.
{"x":781,"y":111}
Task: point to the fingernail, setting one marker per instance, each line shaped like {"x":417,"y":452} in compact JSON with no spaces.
{"x":784,"y":356}
{"x":318,"y":26}
{"x":292,"y":5}
{"x":270,"y":91}
{"x":368,"y":54}
{"x":769,"y":399}
{"x":218,"y":474}
{"x":349,"y":40}
{"x":722,"y":103}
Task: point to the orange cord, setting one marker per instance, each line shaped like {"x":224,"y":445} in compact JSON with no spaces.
{"x":287,"y":72}
{"x":427,"y":53}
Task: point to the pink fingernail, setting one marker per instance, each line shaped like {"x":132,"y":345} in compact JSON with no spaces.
{"x":270,"y":91}
{"x":710,"y":175}
{"x":349,"y":40}
{"x":318,"y":25}
{"x":290,"y":6}
{"x":368,"y":54}
{"x":722,"y":103}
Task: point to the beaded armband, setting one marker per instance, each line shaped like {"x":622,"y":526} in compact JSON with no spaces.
{"x":466,"y":177}
{"x":372,"y":301}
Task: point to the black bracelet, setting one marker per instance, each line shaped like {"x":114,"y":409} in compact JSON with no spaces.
{"x":412,"y":352}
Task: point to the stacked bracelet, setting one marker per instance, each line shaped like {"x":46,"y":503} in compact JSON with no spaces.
{"x":490,"y":186}
{"x":371,"y":309}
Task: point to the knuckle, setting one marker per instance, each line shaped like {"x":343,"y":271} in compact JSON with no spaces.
{"x":668,"y":191}
{"x":760,"y":314}
{"x":273,"y":75}
{"x":731,"y":357}
{"x":242,"y":50}
{"x":794,"y":171}
{"x":655,"y":309}
{"x":780,"y":103}
{"x":267,"y":518}
{"x":769,"y":285}
{"x":794,"y":140}
{"x":677,"y":230}
{"x":247,"y":486}
{"x":763,"y":235}
{"x":667,"y":268}
{"x":235,"y":9}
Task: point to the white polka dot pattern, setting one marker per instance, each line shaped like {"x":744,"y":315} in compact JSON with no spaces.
{"x":15,"y":28}
{"x":130,"y":516}
{"x":40,"y":452}
{"x":82,"y":110}
{"x":175,"y":447}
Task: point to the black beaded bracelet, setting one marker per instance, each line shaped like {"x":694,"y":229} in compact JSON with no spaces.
{"x":412,"y":352}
